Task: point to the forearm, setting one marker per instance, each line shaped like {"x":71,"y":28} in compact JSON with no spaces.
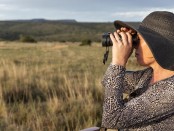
{"x":113,"y":81}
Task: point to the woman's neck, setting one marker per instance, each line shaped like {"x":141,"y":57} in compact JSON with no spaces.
{"x":160,"y":73}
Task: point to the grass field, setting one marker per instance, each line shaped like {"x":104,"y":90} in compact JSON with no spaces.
{"x":51,"y":86}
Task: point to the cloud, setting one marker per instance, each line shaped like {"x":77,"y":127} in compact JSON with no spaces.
{"x":130,"y":14}
{"x":5,"y":7}
{"x":82,"y":10}
{"x":138,"y":15}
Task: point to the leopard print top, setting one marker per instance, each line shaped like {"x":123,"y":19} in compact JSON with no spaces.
{"x":151,"y":107}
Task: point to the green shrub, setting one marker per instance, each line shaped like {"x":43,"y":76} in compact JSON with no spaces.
{"x":27,"y":39}
{"x":86,"y":42}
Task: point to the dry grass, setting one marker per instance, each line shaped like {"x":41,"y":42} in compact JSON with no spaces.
{"x":51,"y":86}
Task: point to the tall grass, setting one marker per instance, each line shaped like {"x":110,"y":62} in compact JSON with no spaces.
{"x":51,"y":86}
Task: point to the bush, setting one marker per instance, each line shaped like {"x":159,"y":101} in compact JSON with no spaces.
{"x":86,"y":42}
{"x":27,"y":39}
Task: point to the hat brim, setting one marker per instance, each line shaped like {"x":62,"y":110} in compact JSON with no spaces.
{"x":130,"y":25}
{"x":162,"y":52}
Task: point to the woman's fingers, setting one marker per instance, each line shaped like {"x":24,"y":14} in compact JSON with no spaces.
{"x":122,"y":36}
{"x":124,"y":29}
{"x":118,"y":38}
{"x":113,"y":38}
{"x":129,"y":38}
{"x":118,"y":31}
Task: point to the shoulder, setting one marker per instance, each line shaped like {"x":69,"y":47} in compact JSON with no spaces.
{"x":164,"y":87}
{"x":169,"y":82}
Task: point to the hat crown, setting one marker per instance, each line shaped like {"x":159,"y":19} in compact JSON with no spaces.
{"x":161,"y":22}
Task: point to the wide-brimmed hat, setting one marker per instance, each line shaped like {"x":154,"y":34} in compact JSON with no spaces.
{"x":157,"y":29}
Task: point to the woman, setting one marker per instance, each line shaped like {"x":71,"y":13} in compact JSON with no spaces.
{"x":151,"y":107}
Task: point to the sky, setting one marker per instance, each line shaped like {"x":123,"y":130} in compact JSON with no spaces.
{"x":82,"y":10}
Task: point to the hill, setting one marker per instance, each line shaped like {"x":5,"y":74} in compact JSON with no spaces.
{"x":54,"y":30}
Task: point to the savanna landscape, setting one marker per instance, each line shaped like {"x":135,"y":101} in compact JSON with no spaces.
{"x":53,"y":84}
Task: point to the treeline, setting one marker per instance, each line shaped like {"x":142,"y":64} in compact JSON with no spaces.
{"x":45,"y":30}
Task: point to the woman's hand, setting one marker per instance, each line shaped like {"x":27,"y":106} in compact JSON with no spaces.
{"x":122,"y":46}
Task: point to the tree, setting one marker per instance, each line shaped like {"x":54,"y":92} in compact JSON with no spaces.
{"x":23,"y":38}
{"x":85,"y":42}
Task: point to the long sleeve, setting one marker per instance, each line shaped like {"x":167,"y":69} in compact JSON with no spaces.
{"x":153,"y":105}
{"x":130,"y":79}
